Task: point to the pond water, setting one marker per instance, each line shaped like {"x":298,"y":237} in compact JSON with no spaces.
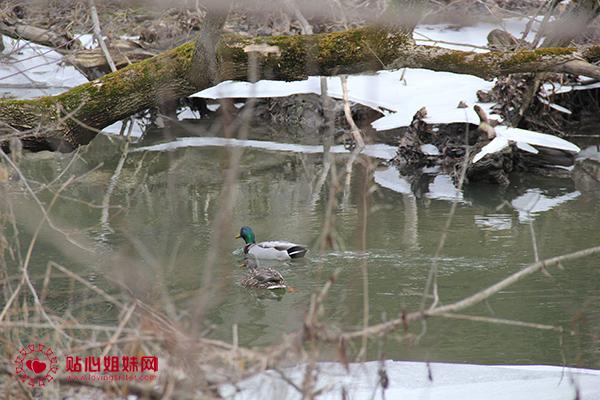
{"x":164,"y":217}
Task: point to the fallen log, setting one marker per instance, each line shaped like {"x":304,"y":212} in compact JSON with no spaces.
{"x":90,"y":62}
{"x":71,"y":119}
{"x":18,"y":30}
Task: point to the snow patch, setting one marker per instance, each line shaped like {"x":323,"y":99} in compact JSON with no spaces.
{"x":527,"y":147}
{"x":496,"y":145}
{"x":536,"y":138}
{"x":443,"y":188}
{"x":526,"y":138}
{"x":402,"y":92}
{"x":555,"y":106}
{"x":390,"y":178}
{"x":115,"y":129}
{"x":467,"y":38}
{"x":410,"y":381}
{"x":29,"y":70}
{"x":430,"y":150}
{"x":534,"y":201}
{"x":381,"y":151}
{"x":552,"y":88}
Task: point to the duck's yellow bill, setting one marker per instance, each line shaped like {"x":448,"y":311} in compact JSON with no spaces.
{"x":238,"y":236}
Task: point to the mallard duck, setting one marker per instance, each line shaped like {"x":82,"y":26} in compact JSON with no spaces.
{"x":262,"y":278}
{"x":272,"y":250}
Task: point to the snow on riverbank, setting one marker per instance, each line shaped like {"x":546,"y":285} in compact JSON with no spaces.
{"x":410,"y":380}
{"x":467,"y":38}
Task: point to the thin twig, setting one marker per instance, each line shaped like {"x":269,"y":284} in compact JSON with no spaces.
{"x":119,"y":330}
{"x":501,"y":321}
{"x":99,"y":37}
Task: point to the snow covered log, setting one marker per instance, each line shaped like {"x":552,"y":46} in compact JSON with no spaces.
{"x":73,"y":118}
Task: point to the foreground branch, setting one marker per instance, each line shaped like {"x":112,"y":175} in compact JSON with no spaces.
{"x":386,"y":327}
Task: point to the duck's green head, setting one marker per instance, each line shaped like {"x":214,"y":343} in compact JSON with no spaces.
{"x":247,"y":234}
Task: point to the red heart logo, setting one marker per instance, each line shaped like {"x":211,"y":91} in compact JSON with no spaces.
{"x":36,"y":366}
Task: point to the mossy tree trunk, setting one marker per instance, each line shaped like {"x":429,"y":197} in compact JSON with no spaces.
{"x":71,"y":119}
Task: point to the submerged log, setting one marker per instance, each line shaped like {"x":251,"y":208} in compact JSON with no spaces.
{"x":73,"y":118}
{"x":494,"y":168}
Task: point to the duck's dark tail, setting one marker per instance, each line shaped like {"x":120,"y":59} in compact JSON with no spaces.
{"x":297,"y":251}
